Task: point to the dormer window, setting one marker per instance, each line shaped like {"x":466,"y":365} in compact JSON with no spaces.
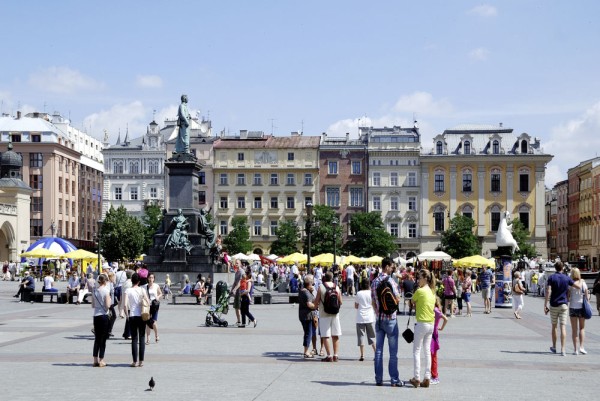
{"x":524,"y":146}
{"x":467,"y":147}
{"x":496,"y":147}
{"x":439,"y":147}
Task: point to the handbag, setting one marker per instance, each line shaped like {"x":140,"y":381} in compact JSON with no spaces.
{"x":587,"y":309}
{"x":108,"y":312}
{"x":145,"y":308}
{"x":408,"y":334}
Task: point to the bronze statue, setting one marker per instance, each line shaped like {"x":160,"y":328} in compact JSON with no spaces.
{"x":178,"y":238}
{"x":183,"y":122}
{"x":204,"y":228}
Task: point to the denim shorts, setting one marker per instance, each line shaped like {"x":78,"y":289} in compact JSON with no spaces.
{"x":576,"y":312}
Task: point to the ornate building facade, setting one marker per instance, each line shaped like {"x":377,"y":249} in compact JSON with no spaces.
{"x":562,"y":219}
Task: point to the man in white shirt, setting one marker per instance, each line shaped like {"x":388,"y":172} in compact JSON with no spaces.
{"x":350,"y":273}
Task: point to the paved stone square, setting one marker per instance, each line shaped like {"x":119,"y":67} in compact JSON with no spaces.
{"x":46,"y":351}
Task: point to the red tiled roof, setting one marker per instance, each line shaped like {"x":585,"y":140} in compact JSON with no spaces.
{"x":270,"y":142}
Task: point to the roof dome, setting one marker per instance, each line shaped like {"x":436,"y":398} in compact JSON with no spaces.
{"x":10,"y":163}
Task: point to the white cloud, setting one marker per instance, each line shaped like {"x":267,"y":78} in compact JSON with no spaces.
{"x":484,"y":10}
{"x":149,"y":81}
{"x":479,"y":54}
{"x":422,"y":103}
{"x":63,"y":80}
{"x":120,"y":117}
{"x":571,"y":143}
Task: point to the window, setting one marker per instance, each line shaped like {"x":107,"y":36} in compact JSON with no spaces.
{"x":202,"y":178}
{"x":394,"y":230}
{"x":356,"y":197}
{"x":356,"y":167}
{"x":60,"y":206}
{"x":394,"y":203}
{"x":60,"y":186}
{"x":308,"y":199}
{"x":412,"y":203}
{"x":467,"y":147}
{"x":495,"y":181}
{"x":223,"y":179}
{"x":241,"y":202}
{"x":290,"y":203}
{"x":412,"y":230}
{"x":66,"y":186}
{"x":274,"y":202}
{"x":153,"y":192}
{"x":257,"y":227}
{"x":376,"y":179}
{"x":241,"y":179}
{"x":223,"y":202}
{"x":36,"y":138}
{"x":376,"y":203}
{"x":73,"y":209}
{"x":495,"y":217}
{"x":36,"y":204}
{"x":467,"y":211}
{"x":412,"y":179}
{"x":467,"y":182}
{"x":223,"y":227}
{"x":60,"y":163}
{"x":290,"y":156}
{"x":35,"y":181}
{"x":496,"y":147}
{"x":133,"y":193}
{"x":524,"y":216}
{"x":15,"y":138}
{"x":117,"y":167}
{"x":291,"y":179}
{"x":201,"y":197}
{"x":35,"y":228}
{"x":257,"y":179}
{"x":439,"y":148}
{"x":524,"y":146}
{"x":332,"y":168}
{"x":274,"y":180}
{"x":36,"y":160}
{"x":153,"y":169}
{"x":439,"y":182}
{"x":73,"y":191}
{"x":332,"y":196}
{"x":438,"y":218}
{"x":308,"y":179}
{"x":257,"y":202}
{"x":134,"y":168}
{"x":273,"y":227}
{"x":240,"y":157}
{"x":394,"y":179}
{"x":524,"y":181}
{"x":66,"y":208}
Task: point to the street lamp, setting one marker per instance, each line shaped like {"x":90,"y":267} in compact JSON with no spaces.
{"x":309,"y":211}
{"x":334,"y":224}
{"x":100,"y":222}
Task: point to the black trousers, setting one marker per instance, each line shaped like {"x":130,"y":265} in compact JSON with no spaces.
{"x":138,"y":338}
{"x":100,"y":335}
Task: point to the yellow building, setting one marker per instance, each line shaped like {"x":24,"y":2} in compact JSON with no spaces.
{"x":266,"y":179}
{"x":481,"y":171}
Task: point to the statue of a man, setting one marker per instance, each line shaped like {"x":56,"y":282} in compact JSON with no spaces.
{"x":183,"y":122}
{"x":204,"y":228}
{"x":179,"y":236}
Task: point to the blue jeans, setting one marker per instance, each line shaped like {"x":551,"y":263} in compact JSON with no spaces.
{"x":389,"y":329}
{"x":308,"y":328}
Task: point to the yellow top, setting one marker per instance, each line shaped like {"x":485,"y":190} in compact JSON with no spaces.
{"x":425,"y":302}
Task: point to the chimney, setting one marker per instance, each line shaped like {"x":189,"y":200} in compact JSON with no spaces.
{"x":347,"y":136}
{"x":18,"y":115}
{"x":500,"y":125}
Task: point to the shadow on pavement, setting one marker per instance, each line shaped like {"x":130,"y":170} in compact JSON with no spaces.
{"x":528,"y":352}
{"x":340,"y":384}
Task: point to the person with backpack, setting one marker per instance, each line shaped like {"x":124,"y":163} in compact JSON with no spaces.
{"x":385,"y":297}
{"x":329,"y":299}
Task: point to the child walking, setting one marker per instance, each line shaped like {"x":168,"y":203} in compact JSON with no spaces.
{"x":435,"y":343}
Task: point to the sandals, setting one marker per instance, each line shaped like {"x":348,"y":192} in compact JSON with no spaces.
{"x":314,"y":352}
{"x":322,"y":353}
{"x":147,"y":341}
{"x":362,"y":358}
{"x":141,"y":364}
{"x":327,"y":359}
{"x":157,"y":338}
{"x":133,"y":364}
{"x":308,"y":356}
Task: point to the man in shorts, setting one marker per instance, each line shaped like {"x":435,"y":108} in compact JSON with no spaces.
{"x":557,"y":288}
{"x":485,"y":280}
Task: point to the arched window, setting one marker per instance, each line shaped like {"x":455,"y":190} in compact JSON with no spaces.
{"x":467,"y":211}
{"x":523,"y":146}
{"x":495,"y":217}
{"x":524,"y":216}
{"x":467,"y":148}
{"x":495,"y":180}
{"x":438,"y":184}
{"x":118,"y":168}
{"x":439,"y":148}
{"x":134,"y":168}
{"x":438,"y":218}
{"x":467,"y":179}
{"x":496,"y":147}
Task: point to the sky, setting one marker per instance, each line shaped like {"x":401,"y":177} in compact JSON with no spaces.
{"x":313,"y":66}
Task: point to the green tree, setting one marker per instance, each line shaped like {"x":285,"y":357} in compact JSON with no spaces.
{"x":122,"y":236}
{"x":521,"y":235}
{"x":458,"y":240}
{"x":322,"y":231}
{"x":238,"y":239}
{"x":369,"y":236}
{"x":152,"y":221}
{"x":287,"y":239}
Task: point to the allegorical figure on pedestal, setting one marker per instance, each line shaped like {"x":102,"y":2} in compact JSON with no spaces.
{"x":178,"y":237}
{"x":204,"y":228}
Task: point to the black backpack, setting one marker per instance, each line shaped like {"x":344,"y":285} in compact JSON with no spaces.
{"x":331,"y":301}
{"x":388,"y":304}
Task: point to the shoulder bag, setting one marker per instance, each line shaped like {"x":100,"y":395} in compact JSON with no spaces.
{"x":145,"y":307}
{"x":408,"y":334}
{"x":587,"y":309}
{"x":108,"y":312}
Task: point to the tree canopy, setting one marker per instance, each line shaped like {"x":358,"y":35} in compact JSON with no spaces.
{"x":238,"y":240}
{"x":459,"y":240}
{"x":122,"y":236}
{"x":287,"y":239}
{"x":521,"y":235}
{"x":322,"y":231}
{"x":369,"y":236}
{"x":152,"y":221}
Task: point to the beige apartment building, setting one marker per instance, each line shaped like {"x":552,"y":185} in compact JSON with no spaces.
{"x":266,"y":179}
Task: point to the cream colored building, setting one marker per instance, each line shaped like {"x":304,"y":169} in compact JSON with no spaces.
{"x":595,"y":246}
{"x":481,"y":171}
{"x":266,"y":179}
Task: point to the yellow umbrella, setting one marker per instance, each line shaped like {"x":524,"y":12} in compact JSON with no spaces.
{"x":354,"y":259}
{"x":374,"y":259}
{"x":295,"y":257}
{"x":81,"y":254}
{"x":326,"y":259}
{"x":39,"y":253}
{"x":474,"y":261}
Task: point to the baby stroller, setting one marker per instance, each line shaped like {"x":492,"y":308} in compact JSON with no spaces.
{"x":214,"y":315}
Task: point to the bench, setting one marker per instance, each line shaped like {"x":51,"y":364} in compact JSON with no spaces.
{"x":38,"y":296}
{"x":74,"y":298}
{"x":175,"y":296}
{"x":280,"y":297}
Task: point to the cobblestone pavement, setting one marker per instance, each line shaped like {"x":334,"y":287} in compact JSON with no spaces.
{"x":46,"y":350}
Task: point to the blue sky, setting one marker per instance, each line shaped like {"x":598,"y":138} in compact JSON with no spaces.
{"x":316,"y":66}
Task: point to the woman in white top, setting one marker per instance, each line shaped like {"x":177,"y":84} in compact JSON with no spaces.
{"x":576,"y":311}
{"x":365,"y":318}
{"x":517,"y":295}
{"x":133,"y":303}
{"x":101,"y":304}
{"x":154,"y":293}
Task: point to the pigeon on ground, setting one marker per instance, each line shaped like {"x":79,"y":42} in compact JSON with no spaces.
{"x":151,"y":383}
